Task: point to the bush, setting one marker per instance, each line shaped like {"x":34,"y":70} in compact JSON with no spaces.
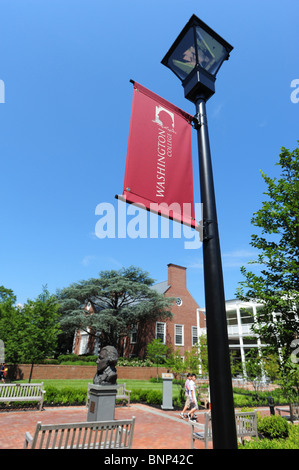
{"x":134,"y":362}
{"x":139,"y":395}
{"x":243,"y":397}
{"x":292,"y":442}
{"x":264,"y":444}
{"x":71,"y":358}
{"x":177,"y":402}
{"x":65,"y":396}
{"x":154,"y":397}
{"x":273,"y":426}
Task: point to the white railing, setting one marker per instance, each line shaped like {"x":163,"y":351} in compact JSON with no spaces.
{"x":234,"y":330}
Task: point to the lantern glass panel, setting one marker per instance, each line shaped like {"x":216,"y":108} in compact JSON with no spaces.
{"x":183,"y":59}
{"x":210,"y":52}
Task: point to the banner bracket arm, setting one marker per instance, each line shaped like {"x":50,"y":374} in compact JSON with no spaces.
{"x":204,"y":230}
{"x":199,"y":120}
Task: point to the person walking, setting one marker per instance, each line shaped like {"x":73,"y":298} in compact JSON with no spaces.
{"x":192,"y":396}
{"x":184,"y":414}
{"x":3,"y":372}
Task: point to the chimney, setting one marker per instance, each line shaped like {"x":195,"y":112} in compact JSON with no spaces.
{"x":177,"y":276}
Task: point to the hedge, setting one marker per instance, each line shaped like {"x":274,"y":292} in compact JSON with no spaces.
{"x":90,"y":359}
{"x":77,"y":396}
{"x":274,"y":433}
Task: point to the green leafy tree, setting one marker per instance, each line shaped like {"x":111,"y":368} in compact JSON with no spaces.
{"x":254,"y":370}
{"x":289,"y":381}
{"x":11,"y":326}
{"x":120,"y":299}
{"x":174,"y":361}
{"x":192,"y":360}
{"x":276,"y":286}
{"x":156,"y":351}
{"x":40,"y":328}
{"x":202,"y":346}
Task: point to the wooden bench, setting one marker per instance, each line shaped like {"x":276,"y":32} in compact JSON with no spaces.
{"x":204,"y":399}
{"x":246,"y":426}
{"x":293,"y":411}
{"x":122,"y":393}
{"x":88,"y":435}
{"x":22,"y":392}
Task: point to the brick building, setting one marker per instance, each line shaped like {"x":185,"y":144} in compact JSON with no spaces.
{"x":181,"y":331}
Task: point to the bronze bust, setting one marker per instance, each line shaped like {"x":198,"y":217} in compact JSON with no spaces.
{"x":106,"y":371}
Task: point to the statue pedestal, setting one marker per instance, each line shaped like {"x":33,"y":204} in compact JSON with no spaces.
{"x":167,"y":392}
{"x":102,"y":403}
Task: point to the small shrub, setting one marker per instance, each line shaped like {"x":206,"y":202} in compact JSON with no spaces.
{"x":65,"y":396}
{"x":134,"y":362}
{"x":273,"y":426}
{"x":292,"y":442}
{"x":154,"y":397}
{"x":76,"y":360}
{"x":138,"y":395}
{"x":151,"y":397}
{"x":177,"y":402}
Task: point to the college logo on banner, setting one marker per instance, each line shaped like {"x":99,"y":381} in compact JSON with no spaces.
{"x":158,"y":171}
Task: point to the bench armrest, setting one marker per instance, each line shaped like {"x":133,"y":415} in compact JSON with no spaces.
{"x":282,"y":410}
{"x":28,"y":439}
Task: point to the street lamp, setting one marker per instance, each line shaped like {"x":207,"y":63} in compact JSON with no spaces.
{"x":195,"y":57}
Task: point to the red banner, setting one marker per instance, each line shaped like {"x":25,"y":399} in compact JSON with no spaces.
{"x":158,"y":171}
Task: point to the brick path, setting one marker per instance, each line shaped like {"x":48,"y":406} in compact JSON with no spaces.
{"x":154,"y":428}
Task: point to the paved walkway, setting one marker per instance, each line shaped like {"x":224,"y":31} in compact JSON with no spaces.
{"x":154,"y":428}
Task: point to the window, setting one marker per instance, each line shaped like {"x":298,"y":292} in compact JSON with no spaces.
{"x":179,"y":335}
{"x":133,"y":334}
{"x":231,"y":316}
{"x":160,"y":331}
{"x":246,"y":315}
{"x":96,"y":345}
{"x":83,"y":343}
{"x":194,"y":335}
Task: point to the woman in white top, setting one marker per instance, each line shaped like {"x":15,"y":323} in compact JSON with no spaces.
{"x":192,"y":395}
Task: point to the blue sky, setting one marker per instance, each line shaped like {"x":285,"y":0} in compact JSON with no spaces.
{"x":66,"y":66}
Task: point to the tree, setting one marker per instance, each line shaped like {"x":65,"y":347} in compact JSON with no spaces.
{"x":120,"y":300}
{"x":40,"y":327}
{"x":156,"y":351}
{"x":277,"y":284}
{"x":202,"y":346}
{"x":10,"y":325}
{"x":289,"y":381}
{"x":29,"y":332}
{"x":174,"y":362}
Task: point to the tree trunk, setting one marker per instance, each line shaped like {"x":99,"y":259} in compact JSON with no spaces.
{"x":31,"y":370}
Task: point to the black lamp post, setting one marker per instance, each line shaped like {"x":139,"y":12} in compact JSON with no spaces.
{"x":195,"y":57}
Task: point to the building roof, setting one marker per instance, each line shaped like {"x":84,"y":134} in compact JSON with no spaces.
{"x":161,"y":287}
